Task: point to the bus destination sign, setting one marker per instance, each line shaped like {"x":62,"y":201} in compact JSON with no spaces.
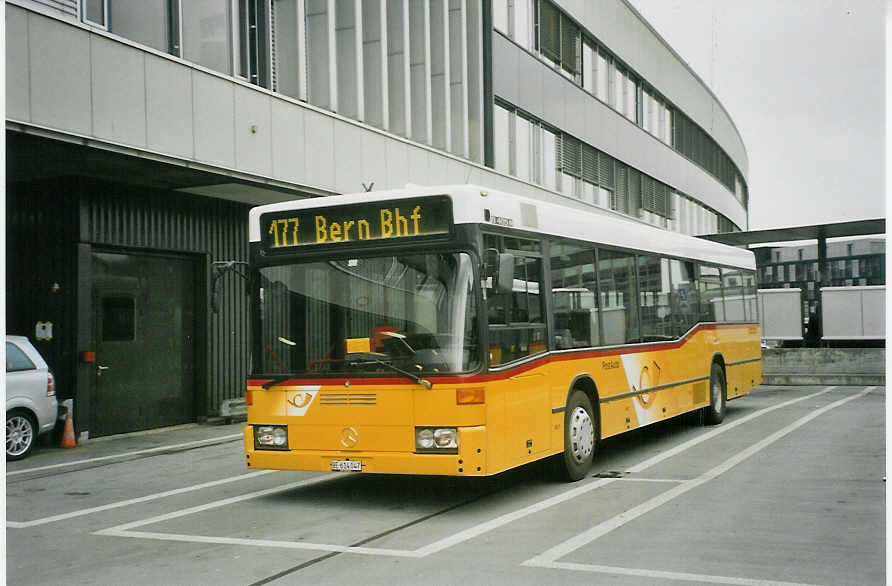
{"x":387,"y":220}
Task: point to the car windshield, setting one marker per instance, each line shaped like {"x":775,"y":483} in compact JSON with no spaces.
{"x":416,"y":313}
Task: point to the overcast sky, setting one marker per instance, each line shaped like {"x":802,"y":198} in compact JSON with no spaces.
{"x":804,"y":81}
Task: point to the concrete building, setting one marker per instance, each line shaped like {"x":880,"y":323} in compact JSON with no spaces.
{"x":849,"y":263}
{"x":139,"y":133}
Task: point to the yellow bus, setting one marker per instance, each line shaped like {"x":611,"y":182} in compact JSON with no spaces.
{"x":464,"y":331}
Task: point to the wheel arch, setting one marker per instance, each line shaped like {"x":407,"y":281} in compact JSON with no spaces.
{"x":585,"y":383}
{"x":27,"y":411}
{"x":718,"y":358}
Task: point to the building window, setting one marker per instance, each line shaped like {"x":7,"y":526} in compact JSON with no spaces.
{"x":502,"y":139}
{"x":94,"y":11}
{"x":207,"y":34}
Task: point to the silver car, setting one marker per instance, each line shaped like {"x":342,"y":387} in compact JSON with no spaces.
{"x":31,"y":407}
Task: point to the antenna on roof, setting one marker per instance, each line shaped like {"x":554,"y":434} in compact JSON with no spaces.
{"x":368,"y":187}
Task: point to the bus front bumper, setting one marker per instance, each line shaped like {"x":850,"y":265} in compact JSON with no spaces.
{"x":470,"y":460}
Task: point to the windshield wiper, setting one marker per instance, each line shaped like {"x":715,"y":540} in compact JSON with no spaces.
{"x":370,"y":359}
{"x":276,"y":380}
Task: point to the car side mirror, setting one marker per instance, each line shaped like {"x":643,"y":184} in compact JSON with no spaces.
{"x":499,"y":270}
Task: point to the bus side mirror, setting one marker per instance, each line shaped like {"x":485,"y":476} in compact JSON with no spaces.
{"x":499,"y":271}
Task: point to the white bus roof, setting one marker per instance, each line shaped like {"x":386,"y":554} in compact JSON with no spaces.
{"x":470,"y":206}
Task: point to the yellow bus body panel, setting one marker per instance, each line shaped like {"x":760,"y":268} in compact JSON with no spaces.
{"x":522,"y":418}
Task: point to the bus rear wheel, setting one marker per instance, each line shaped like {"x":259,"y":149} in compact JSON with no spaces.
{"x":580,"y":436}
{"x":714,"y":413}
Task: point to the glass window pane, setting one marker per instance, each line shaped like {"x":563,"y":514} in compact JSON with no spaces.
{"x":654,"y":289}
{"x":603,"y":72}
{"x":500,"y":15}
{"x":143,"y":21}
{"x":94,"y":11}
{"x":206,"y":34}
{"x":118,"y":319}
{"x":574,"y":293}
{"x":618,"y":87}
{"x":502,"y":139}
{"x":16,"y":360}
{"x":631,"y":99}
{"x":549,"y":159}
{"x":685,"y":297}
{"x":733,"y":292}
{"x":516,"y":324}
{"x":522,"y":149}
{"x":588,"y":67}
{"x":550,"y":31}
{"x":286,"y":54}
{"x":523,"y":23}
{"x":750,"y":299}
{"x":616,"y":273}
{"x":711,"y":307}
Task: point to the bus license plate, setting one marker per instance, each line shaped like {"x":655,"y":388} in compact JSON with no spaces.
{"x":346,"y":466}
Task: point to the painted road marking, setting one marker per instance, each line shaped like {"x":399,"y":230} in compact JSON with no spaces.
{"x":548,"y":558}
{"x":673,"y":575}
{"x":127,"y":529}
{"x":220,"y":503}
{"x":133,"y":501}
{"x":211,"y":441}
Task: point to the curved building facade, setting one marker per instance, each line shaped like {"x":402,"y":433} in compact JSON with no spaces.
{"x":139,"y":133}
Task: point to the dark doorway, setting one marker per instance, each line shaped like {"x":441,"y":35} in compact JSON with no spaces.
{"x":144,"y":309}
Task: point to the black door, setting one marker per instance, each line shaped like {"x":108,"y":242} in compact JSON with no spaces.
{"x":145,"y":336}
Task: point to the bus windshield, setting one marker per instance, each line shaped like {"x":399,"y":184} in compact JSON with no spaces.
{"x":417,"y":312}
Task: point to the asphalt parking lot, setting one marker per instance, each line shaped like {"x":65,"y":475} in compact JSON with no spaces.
{"x":788,"y":490}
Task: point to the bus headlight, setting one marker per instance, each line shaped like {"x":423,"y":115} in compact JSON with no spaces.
{"x":271,"y":437}
{"x":441,"y":440}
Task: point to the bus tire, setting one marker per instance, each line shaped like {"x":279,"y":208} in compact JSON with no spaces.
{"x":580,"y":436}
{"x":714,"y":413}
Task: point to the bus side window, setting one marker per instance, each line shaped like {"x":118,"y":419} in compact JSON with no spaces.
{"x":516,"y":323}
{"x":574,"y":292}
{"x":618,"y":294}
{"x":685,"y":296}
{"x":712,"y":306}
{"x":654,"y":285}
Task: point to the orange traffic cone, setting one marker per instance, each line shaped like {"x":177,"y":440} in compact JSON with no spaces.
{"x":68,"y":440}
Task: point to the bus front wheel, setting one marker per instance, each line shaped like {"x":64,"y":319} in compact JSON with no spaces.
{"x":714,"y":413}
{"x":580,"y":436}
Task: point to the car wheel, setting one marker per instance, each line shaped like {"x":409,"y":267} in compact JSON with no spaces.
{"x":21,"y":433}
{"x":714,"y":413}
{"x":580,"y":436}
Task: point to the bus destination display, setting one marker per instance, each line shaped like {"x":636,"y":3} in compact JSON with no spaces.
{"x":390,"y":220}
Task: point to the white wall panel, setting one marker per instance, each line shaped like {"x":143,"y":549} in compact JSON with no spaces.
{"x":213,"y":124}
{"x":60,"y":75}
{"x":253,"y":131}
{"x":168,"y":107}
{"x":347,"y":157}
{"x":288,"y":141}
{"x":397,"y":164}
{"x":319,"y":139}
{"x":374,"y":158}
{"x":419,"y":167}
{"x":119,"y":92}
{"x":18,"y":95}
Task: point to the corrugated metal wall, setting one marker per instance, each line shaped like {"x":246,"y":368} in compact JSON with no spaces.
{"x":41,"y":231}
{"x":124,"y":216}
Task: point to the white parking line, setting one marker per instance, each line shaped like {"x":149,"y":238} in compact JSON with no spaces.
{"x":127,"y":529}
{"x":220,"y":439}
{"x":673,"y":575}
{"x":133,"y":501}
{"x":215,"y":504}
{"x":478,"y":530}
{"x":548,"y":558}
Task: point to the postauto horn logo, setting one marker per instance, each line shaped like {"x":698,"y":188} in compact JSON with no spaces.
{"x":300,"y":401}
